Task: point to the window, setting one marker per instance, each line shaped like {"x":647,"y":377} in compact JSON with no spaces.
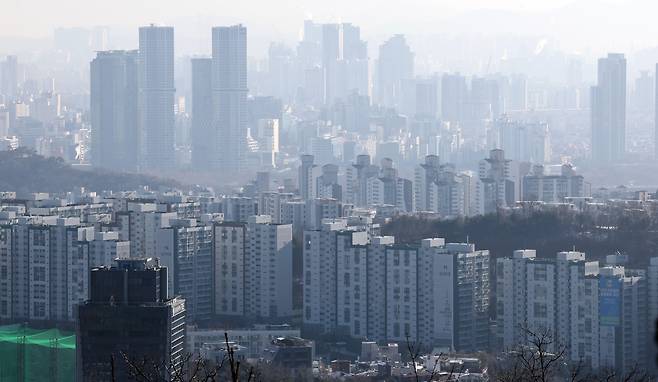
{"x":39,"y":274}
{"x":540,"y":310}
{"x":39,"y":309}
{"x":540,"y":273}
{"x":346,"y":315}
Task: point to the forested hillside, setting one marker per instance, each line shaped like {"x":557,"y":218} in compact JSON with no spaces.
{"x":634,"y":234}
{"x":22,"y":170}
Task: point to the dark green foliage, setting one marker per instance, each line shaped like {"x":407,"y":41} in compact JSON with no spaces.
{"x":22,"y":170}
{"x":631,"y":232}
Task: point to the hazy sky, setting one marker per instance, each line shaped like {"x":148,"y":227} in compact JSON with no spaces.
{"x":38,"y":17}
{"x":591,"y":25}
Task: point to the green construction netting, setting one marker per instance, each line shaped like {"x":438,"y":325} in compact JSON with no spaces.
{"x":28,"y":354}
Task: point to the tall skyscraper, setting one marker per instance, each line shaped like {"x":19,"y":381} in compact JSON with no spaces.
{"x":9,"y":77}
{"x":202,"y":133}
{"x":330,"y":55}
{"x":655,"y":134}
{"x":306,"y":177}
{"x":609,"y":110}
{"x":229,"y":90}
{"x":395,"y":64}
{"x":156,"y":96}
{"x":139,"y":322}
{"x":113,"y":107}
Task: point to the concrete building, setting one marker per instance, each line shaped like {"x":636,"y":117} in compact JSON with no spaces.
{"x":186,"y":249}
{"x":394,"y":65}
{"x":320,"y":251}
{"x":253,"y":269}
{"x":113,"y":109}
{"x":623,"y":329}
{"x":608,"y":118}
{"x":229,"y":89}
{"x":44,"y":269}
{"x":523,"y":141}
{"x":140,"y":223}
{"x":440,"y":188}
{"x":539,"y":186}
{"x":383,"y":291}
{"x":497,"y":184}
{"x":156,"y":322}
{"x":238,"y":208}
{"x":9,"y":77}
{"x":597,"y":314}
{"x":307,"y":177}
{"x":156,"y":96}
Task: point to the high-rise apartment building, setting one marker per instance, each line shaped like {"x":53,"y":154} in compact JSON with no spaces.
{"x":394,"y":66}
{"x":434,"y":292}
{"x":115,"y":134}
{"x":253,"y":269}
{"x":140,"y":223}
{"x":156,"y":97}
{"x":186,"y":249}
{"x":9,"y":77}
{"x":45,"y":263}
{"x":599,"y":315}
{"x":440,"y":188}
{"x":497,"y":184}
{"x":608,"y":117}
{"x":548,"y":188}
{"x":523,"y":141}
{"x":307,"y":176}
{"x":229,"y":97}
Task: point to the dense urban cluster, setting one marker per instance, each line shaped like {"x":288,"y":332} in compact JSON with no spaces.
{"x":180,"y":270}
{"x":271,"y":245}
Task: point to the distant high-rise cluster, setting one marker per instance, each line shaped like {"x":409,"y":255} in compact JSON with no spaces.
{"x":609,"y":110}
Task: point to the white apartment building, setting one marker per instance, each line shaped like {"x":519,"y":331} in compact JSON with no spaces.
{"x":253,"y":269}
{"x":384,"y":291}
{"x":598,"y":314}
{"x":320,"y":279}
{"x":140,"y":224}
{"x":45,"y":264}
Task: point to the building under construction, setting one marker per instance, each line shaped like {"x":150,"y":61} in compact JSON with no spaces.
{"x":28,"y":354}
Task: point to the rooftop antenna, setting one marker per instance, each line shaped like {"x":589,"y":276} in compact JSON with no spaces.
{"x":467,"y":239}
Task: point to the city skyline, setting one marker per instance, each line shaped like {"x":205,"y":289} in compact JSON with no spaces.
{"x":322,"y":190}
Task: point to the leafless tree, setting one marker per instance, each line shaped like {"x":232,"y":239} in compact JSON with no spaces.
{"x":415,"y":353}
{"x":189,"y":369}
{"x":544,"y":359}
